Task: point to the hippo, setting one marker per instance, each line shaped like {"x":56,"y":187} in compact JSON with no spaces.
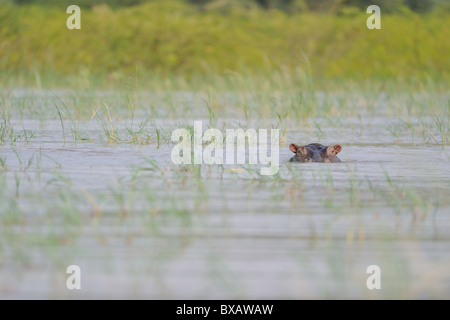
{"x":315,"y":152}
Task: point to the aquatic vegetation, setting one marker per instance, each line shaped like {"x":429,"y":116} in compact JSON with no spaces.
{"x":7,"y":133}
{"x":92,"y":183}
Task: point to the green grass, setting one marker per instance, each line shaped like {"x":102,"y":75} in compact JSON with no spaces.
{"x":180,"y":43}
{"x":7,"y":133}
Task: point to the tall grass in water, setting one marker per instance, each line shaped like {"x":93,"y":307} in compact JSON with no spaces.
{"x":441,"y":126}
{"x":74,"y":125}
{"x":434,"y":128}
{"x":106,"y":122}
{"x":6,"y":129}
{"x":7,"y":133}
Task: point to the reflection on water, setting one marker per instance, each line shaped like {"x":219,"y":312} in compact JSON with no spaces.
{"x":148,"y":229}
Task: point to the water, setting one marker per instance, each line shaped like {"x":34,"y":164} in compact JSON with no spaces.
{"x":141,"y":228}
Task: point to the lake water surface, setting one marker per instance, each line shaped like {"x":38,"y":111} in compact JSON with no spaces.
{"x":141,"y":227}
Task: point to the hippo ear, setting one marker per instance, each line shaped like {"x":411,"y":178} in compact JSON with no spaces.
{"x":293,"y":147}
{"x":334,"y":150}
{"x":298,"y":149}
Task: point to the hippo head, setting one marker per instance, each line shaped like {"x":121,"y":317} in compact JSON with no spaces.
{"x":315,"y":152}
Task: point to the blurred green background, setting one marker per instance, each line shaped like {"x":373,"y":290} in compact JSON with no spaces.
{"x":184,"y":39}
